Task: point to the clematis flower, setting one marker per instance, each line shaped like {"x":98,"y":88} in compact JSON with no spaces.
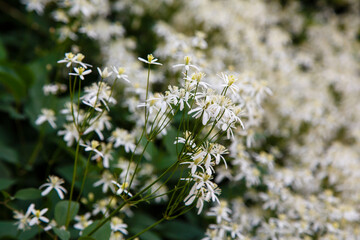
{"x":150,"y":60}
{"x":81,"y":72}
{"x":47,"y":115}
{"x":54,"y":182}
{"x":38,"y":216}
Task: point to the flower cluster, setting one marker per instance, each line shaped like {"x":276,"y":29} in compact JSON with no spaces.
{"x":263,"y":109}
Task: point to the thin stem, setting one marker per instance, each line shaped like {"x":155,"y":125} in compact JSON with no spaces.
{"x":130,"y":199}
{"x":72,"y":183}
{"x":37,"y":148}
{"x":147,"y":229}
{"x":84,"y":177}
{"x":147,"y":94}
{"x":78,"y":106}
{"x":138,"y":163}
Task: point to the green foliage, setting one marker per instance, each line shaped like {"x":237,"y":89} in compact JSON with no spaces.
{"x":28,"y":194}
{"x":61,"y":210}
{"x":102,"y":233}
{"x":8,"y":230}
{"x":62,"y":234}
{"x":6,"y":183}
{"x":179,"y":230}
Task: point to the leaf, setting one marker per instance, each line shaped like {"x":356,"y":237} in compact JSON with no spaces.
{"x":6,"y":195}
{"x":149,"y":235}
{"x":28,"y":194}
{"x":86,"y":238}
{"x":179,"y":230}
{"x":5,"y":183}
{"x":62,"y":234}
{"x":61,"y":210}
{"x":8,"y":154}
{"x":169,"y":139}
{"x":3,"y":52}
{"x":8,"y":230}
{"x":12,"y":111}
{"x":102,"y":233}
{"x":13,"y":84}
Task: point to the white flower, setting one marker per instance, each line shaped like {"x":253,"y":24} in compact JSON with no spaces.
{"x":46,"y":115}
{"x":229,"y":82}
{"x":203,"y":110}
{"x":23,"y":219}
{"x":120,"y":73}
{"x":81,"y":72}
{"x":150,"y":60}
{"x":54,"y":88}
{"x":91,"y":146}
{"x":121,"y":137}
{"x":70,"y":134}
{"x":38,"y":216}
{"x":187,"y":64}
{"x":106,"y":150}
{"x":51,"y":225}
{"x":105,"y":73}
{"x":221,"y":212}
{"x":196,"y":79}
{"x":96,"y":93}
{"x":98,"y":124}
{"x":54,"y":182}
{"x":83,"y":221}
{"x":106,"y":180}
{"x":116,"y":236}
{"x":70,"y":58}
{"x":35,"y":5}
{"x":122,"y":188}
{"x":117,"y":224}
{"x":101,"y":206}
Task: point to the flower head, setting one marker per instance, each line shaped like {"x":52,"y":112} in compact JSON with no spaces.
{"x":105,"y":73}
{"x":47,"y":115}
{"x":150,"y":60}
{"x":23,"y":222}
{"x":122,"y":188}
{"x":38,"y":216}
{"x":81,"y":72}
{"x":120,"y":73}
{"x":187,"y":64}
{"x":54,"y":182}
{"x":71,"y":58}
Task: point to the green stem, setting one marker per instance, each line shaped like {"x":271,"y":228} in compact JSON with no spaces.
{"x":147,"y":229}
{"x":72,"y":184}
{"x":84,"y":177}
{"x":37,"y":148}
{"x":130,"y":199}
{"x":147,"y":94}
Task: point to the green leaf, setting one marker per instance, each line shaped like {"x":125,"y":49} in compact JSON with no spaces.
{"x":3,"y":52}
{"x":6,"y":183}
{"x":8,"y":230}
{"x":13,"y":84}
{"x":12,"y":111}
{"x":102,"y":233}
{"x":169,"y":139}
{"x":8,"y":154}
{"x":86,"y":238}
{"x":61,"y":209}
{"x":149,"y":235}
{"x":6,"y":195}
{"x":28,"y":194}
{"x":62,"y":234}
{"x":179,"y":230}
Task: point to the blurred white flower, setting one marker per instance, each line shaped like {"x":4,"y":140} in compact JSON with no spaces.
{"x":150,"y":60}
{"x":54,"y":182}
{"x":47,"y":115}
